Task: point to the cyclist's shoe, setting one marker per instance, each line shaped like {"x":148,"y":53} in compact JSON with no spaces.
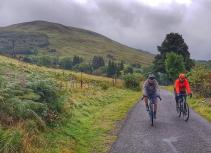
{"x":154,"y":115}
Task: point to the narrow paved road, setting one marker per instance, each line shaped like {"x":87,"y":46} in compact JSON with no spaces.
{"x":170,"y":134}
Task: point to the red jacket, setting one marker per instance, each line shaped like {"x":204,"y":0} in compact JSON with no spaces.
{"x":182,"y":86}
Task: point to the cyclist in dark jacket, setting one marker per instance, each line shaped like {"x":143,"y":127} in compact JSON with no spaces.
{"x":151,"y":89}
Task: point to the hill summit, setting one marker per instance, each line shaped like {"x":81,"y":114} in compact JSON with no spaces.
{"x":42,"y":37}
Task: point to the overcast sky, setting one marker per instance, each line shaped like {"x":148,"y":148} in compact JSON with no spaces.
{"x":141,"y":24}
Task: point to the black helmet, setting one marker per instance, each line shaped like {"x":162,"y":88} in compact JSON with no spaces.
{"x":151,"y":76}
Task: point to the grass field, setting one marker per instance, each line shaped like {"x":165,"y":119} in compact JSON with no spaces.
{"x":86,"y":122}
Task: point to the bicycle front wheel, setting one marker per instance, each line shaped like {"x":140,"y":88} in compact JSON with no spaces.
{"x":186,"y":112}
{"x":152,"y":118}
{"x":179,"y":112}
{"x":151,"y":114}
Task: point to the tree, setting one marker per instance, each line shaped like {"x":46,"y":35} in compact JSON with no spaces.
{"x":45,"y":60}
{"x":112,"y":68}
{"x":172,"y":43}
{"x":174,"y":64}
{"x":100,"y":71}
{"x":66,"y":63}
{"x":83,"y":67}
{"x":128,"y":70}
{"x":97,"y":62}
{"x":121,"y":65}
{"x":136,"y":65}
{"x":77,"y":60}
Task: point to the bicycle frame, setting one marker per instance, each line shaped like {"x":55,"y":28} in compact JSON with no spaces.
{"x":183,"y":96}
{"x":183,"y":106}
{"x":151,"y":108}
{"x":182,"y":99}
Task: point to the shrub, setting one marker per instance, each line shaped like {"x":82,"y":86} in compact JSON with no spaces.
{"x":100,"y":71}
{"x":39,"y":95}
{"x":129,"y":70}
{"x":132,"y":81}
{"x":200,"y":80}
{"x":82,"y":67}
{"x":49,"y":93}
{"x":104,"y":86}
{"x":66,"y":63}
{"x":17,"y":108}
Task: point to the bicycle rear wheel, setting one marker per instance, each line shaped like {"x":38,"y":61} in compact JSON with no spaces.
{"x":185,"y":112}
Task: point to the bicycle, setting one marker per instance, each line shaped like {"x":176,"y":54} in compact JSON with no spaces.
{"x":183,"y":108}
{"x":151,"y":108}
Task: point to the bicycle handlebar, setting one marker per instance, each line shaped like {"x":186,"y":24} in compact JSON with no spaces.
{"x":149,"y":97}
{"x":182,"y":94}
{"x":185,"y":95}
{"x":160,"y":98}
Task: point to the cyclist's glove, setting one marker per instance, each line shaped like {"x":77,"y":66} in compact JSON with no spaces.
{"x":159,"y":97}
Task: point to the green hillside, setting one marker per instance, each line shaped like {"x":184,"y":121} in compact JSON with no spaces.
{"x":41,"y":37}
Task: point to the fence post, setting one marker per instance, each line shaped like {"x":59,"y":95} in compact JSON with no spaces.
{"x":81,"y":81}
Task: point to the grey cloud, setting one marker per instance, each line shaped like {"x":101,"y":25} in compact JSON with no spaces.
{"x":196,"y":29}
{"x":126,"y":21}
{"x":136,"y":13}
{"x":117,"y":11}
{"x":139,"y":26}
{"x":66,"y":12}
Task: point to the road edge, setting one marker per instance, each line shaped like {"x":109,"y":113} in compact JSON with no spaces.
{"x":122,"y":123}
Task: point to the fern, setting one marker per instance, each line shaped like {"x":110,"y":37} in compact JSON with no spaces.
{"x":37,"y":119}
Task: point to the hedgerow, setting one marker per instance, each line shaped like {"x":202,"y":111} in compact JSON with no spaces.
{"x":200,"y":79}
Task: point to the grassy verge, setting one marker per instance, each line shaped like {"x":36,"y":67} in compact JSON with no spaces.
{"x":91,"y":122}
{"x":86,"y":123}
{"x":199,"y":105}
{"x":202,"y":107}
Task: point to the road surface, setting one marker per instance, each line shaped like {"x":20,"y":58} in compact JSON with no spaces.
{"x":170,"y":134}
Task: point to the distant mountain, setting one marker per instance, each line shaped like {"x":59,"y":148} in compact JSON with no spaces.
{"x":204,"y":63}
{"x":41,"y":37}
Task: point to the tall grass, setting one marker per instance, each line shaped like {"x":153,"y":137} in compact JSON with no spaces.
{"x":10,"y":141}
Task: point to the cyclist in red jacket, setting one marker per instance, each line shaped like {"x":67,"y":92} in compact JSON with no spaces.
{"x":181,"y":86}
